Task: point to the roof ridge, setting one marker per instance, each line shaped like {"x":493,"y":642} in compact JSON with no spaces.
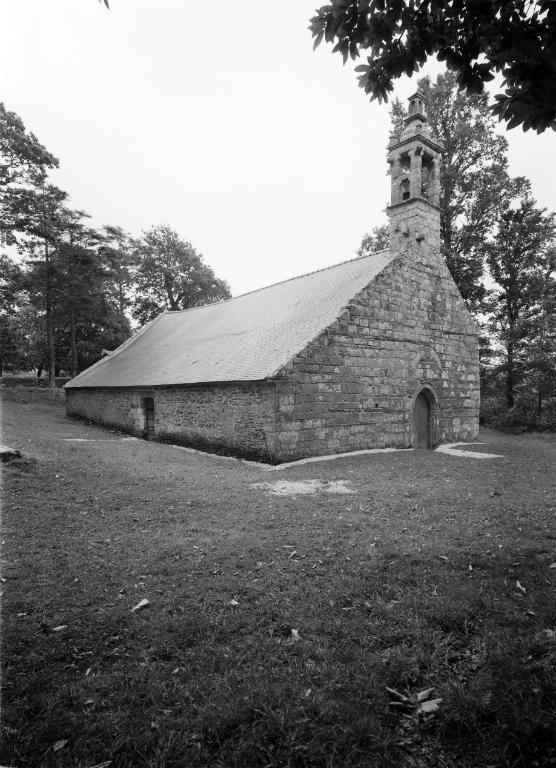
{"x":278,"y":282}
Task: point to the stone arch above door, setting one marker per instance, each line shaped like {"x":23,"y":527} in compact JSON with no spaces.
{"x":426,"y":365}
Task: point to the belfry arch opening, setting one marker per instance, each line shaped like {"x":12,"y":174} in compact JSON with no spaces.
{"x":424,"y":409}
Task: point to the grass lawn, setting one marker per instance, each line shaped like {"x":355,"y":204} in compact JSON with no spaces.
{"x":276,"y":623}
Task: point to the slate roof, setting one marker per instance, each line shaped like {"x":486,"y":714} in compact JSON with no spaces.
{"x":248,"y":338}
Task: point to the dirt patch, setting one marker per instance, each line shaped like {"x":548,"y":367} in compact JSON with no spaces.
{"x":304,"y":487}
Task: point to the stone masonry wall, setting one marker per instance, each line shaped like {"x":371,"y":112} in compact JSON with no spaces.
{"x":412,"y":219}
{"x":355,"y":385}
{"x":233,"y":418}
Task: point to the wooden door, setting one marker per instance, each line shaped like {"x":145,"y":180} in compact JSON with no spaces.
{"x":421,"y":422}
{"x":149,"y":418}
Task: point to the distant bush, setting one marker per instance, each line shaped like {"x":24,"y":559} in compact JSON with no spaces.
{"x":31,"y":381}
{"x":525,"y":416}
{"x":32,"y":394}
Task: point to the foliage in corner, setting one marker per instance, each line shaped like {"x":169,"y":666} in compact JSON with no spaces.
{"x":476,"y":39}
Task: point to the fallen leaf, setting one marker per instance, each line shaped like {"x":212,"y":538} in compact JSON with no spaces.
{"x":552,"y":565}
{"x":295,"y":635}
{"x":58,"y":745}
{"x":140,"y":605}
{"x":307,"y":693}
{"x":428,"y":707}
{"x":519,"y":586}
{"x":234,"y":602}
{"x":470,"y":567}
{"x":60,"y":628}
{"x":397,"y":695}
{"x":422,"y":695}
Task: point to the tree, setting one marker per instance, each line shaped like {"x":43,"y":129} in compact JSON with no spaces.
{"x":40,"y":214}
{"x":80,"y":296}
{"x":476,"y":39}
{"x":537,"y":354}
{"x":83,"y":315}
{"x":117,"y":253}
{"x":377,"y":240}
{"x":11,"y":290}
{"x":521,"y":262}
{"x":171,"y":275}
{"x":23,"y":165}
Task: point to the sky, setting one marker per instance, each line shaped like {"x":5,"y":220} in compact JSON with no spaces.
{"x":218,"y":119}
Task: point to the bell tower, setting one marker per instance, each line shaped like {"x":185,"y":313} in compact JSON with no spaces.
{"x":414,"y":161}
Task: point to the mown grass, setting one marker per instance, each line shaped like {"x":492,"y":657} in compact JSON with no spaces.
{"x":410,"y":583}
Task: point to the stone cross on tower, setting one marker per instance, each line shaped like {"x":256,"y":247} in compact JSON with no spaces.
{"x":415,"y":180}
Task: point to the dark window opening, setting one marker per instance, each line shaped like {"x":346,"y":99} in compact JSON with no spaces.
{"x":148,"y":409}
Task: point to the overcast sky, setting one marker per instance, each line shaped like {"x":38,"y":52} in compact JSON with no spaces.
{"x":218,"y":119}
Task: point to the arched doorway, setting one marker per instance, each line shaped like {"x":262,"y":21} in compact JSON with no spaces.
{"x":423,"y":420}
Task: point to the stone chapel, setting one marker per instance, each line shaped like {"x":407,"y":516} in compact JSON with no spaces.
{"x":378,"y":351}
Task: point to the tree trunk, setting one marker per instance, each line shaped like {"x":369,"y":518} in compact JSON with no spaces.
{"x":74,"y":363}
{"x":49,"y":324}
{"x":121,"y":301}
{"x":510,"y":378}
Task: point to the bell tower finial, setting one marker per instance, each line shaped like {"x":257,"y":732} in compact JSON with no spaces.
{"x":415,"y":182}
